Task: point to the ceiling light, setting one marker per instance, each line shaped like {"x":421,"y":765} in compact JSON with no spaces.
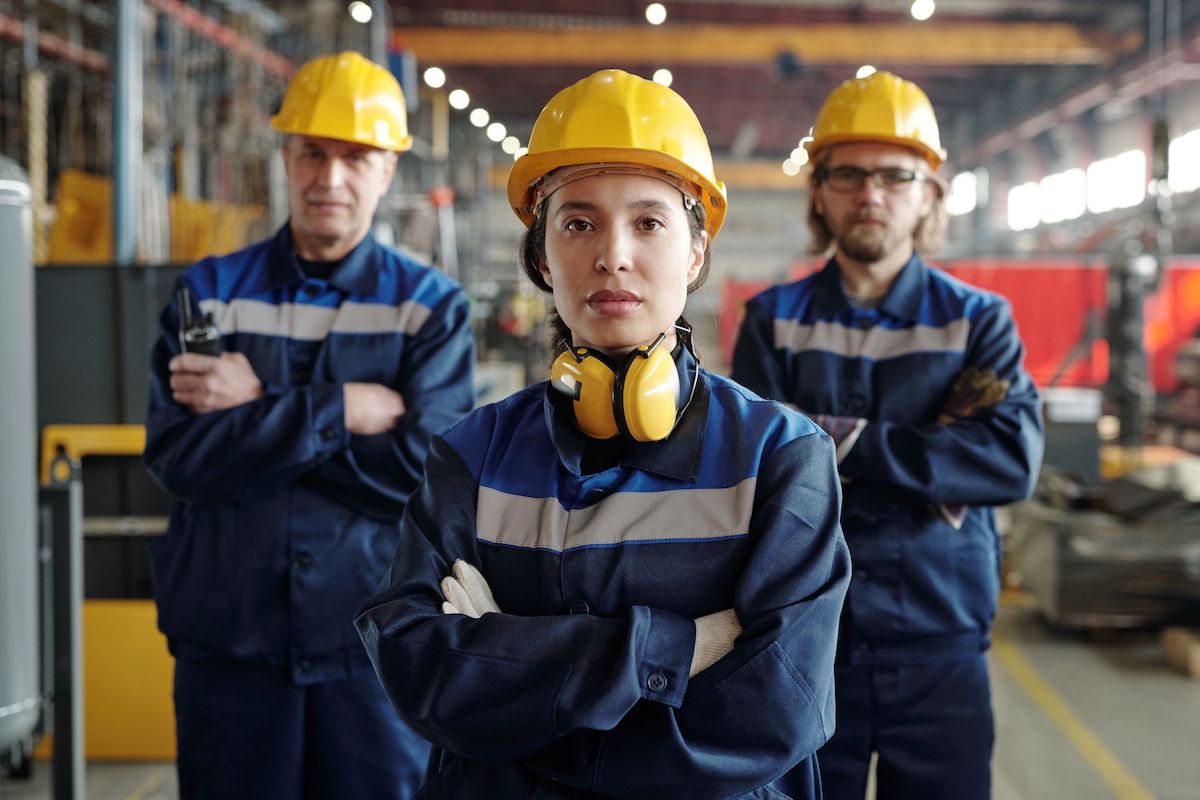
{"x":790,"y":168}
{"x":922,"y":10}
{"x":656,"y":13}
{"x":459,"y":99}
{"x":864,"y":71}
{"x":510,"y":144}
{"x":520,"y":152}
{"x":359,"y":12}
{"x":479,"y":117}
{"x":435,"y":78}
{"x":496,"y":131}
{"x":663,"y":76}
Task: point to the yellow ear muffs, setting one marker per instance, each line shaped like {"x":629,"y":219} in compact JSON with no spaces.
{"x":587,"y":377}
{"x":639,"y":399}
{"x":646,"y":394}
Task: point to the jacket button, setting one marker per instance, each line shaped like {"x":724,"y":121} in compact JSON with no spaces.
{"x":328,"y":434}
{"x":301,"y":561}
{"x":657,"y":682}
{"x":579,"y":607}
{"x":312,"y":290}
{"x":304,"y":665}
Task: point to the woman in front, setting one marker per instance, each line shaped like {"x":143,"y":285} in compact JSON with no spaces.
{"x":624,"y":582}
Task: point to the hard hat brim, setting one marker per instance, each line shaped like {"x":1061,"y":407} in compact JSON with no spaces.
{"x":531,"y":167}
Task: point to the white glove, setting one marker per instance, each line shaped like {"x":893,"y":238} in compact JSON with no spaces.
{"x":714,"y":639}
{"x":467,"y":592}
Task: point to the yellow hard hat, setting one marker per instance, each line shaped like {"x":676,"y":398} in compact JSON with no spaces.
{"x":613,"y":117}
{"x":348,"y":97}
{"x":881,"y":107}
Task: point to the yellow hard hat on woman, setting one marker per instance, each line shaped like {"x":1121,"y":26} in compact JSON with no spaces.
{"x":881,"y":107}
{"x":347,"y":97}
{"x":614,"y":118}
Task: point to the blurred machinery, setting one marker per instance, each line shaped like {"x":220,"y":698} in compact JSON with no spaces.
{"x":20,"y":684}
{"x":1112,"y":536}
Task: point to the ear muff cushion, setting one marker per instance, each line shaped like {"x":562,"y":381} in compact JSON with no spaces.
{"x":588,"y":377}
{"x":649,"y":395}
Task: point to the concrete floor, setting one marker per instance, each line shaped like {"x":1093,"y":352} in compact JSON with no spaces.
{"x":1078,"y":717}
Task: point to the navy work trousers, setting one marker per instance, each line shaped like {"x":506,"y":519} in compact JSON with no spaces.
{"x":931,"y":725}
{"x":251,"y":733}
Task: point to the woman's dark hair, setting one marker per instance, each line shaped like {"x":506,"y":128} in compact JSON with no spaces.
{"x":533,"y":253}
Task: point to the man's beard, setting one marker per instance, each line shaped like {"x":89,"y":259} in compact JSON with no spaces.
{"x":866,"y":243}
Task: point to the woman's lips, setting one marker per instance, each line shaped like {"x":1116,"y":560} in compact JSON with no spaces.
{"x":613,"y":304}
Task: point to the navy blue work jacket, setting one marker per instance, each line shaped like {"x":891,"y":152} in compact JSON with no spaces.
{"x":921,"y":590}
{"x":580,"y":688}
{"x":282,"y":523}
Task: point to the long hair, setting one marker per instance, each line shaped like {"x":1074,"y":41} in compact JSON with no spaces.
{"x":532,"y":253}
{"x":928,"y":237}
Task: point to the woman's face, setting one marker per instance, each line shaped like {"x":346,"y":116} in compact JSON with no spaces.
{"x":619,"y":258}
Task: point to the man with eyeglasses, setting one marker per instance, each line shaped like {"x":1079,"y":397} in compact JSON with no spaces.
{"x":918,"y":378}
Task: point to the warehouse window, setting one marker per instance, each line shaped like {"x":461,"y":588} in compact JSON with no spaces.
{"x":963,"y":193}
{"x":1024,"y":207}
{"x":1117,"y":182}
{"x":1183,"y":162}
{"x":1063,"y":195}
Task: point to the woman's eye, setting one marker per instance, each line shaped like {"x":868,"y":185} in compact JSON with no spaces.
{"x":651,"y":224}
{"x":577,"y":225}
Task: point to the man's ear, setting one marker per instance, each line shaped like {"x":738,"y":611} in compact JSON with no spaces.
{"x":928,"y":198}
{"x":389,"y":169}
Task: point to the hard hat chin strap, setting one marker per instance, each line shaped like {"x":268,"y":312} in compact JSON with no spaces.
{"x":549,"y":184}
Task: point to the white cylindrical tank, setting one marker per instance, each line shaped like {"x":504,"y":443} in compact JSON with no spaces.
{"x":19,"y":690}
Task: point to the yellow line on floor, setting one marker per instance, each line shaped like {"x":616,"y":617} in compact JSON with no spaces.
{"x":1104,"y":761}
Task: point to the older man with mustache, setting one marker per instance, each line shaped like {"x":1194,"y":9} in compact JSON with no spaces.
{"x":290,"y":457}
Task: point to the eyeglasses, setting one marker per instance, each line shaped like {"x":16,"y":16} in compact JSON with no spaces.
{"x":852,"y":179}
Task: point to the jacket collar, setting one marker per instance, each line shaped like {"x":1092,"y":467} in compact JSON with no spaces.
{"x":902,"y":301}
{"x":357,"y":273}
{"x":678,"y":456}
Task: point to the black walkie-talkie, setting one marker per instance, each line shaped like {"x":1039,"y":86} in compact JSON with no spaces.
{"x":196,"y":335}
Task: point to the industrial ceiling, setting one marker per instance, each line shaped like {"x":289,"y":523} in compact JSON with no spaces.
{"x":756,"y":71}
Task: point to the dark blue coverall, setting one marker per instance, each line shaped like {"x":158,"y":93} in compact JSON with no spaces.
{"x":912,"y":679}
{"x":580,"y":688}
{"x":282,"y":523}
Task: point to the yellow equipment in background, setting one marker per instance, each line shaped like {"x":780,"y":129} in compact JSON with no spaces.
{"x":127,"y":670}
{"x":82,"y":230}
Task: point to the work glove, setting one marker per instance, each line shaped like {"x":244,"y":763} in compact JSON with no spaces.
{"x":843,"y":430}
{"x":715,"y":634}
{"x":973,"y":391}
{"x":467,"y":592}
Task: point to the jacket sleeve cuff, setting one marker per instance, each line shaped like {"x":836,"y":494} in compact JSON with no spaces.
{"x":328,"y":418}
{"x":663,"y":668}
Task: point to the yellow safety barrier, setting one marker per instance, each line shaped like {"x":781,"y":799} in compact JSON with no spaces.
{"x":127,"y":669}
{"x":64,"y":445}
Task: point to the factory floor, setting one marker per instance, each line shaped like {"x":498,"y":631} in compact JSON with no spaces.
{"x":1078,"y":717}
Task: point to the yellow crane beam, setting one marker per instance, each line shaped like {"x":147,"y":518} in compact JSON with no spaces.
{"x":945,"y":43}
